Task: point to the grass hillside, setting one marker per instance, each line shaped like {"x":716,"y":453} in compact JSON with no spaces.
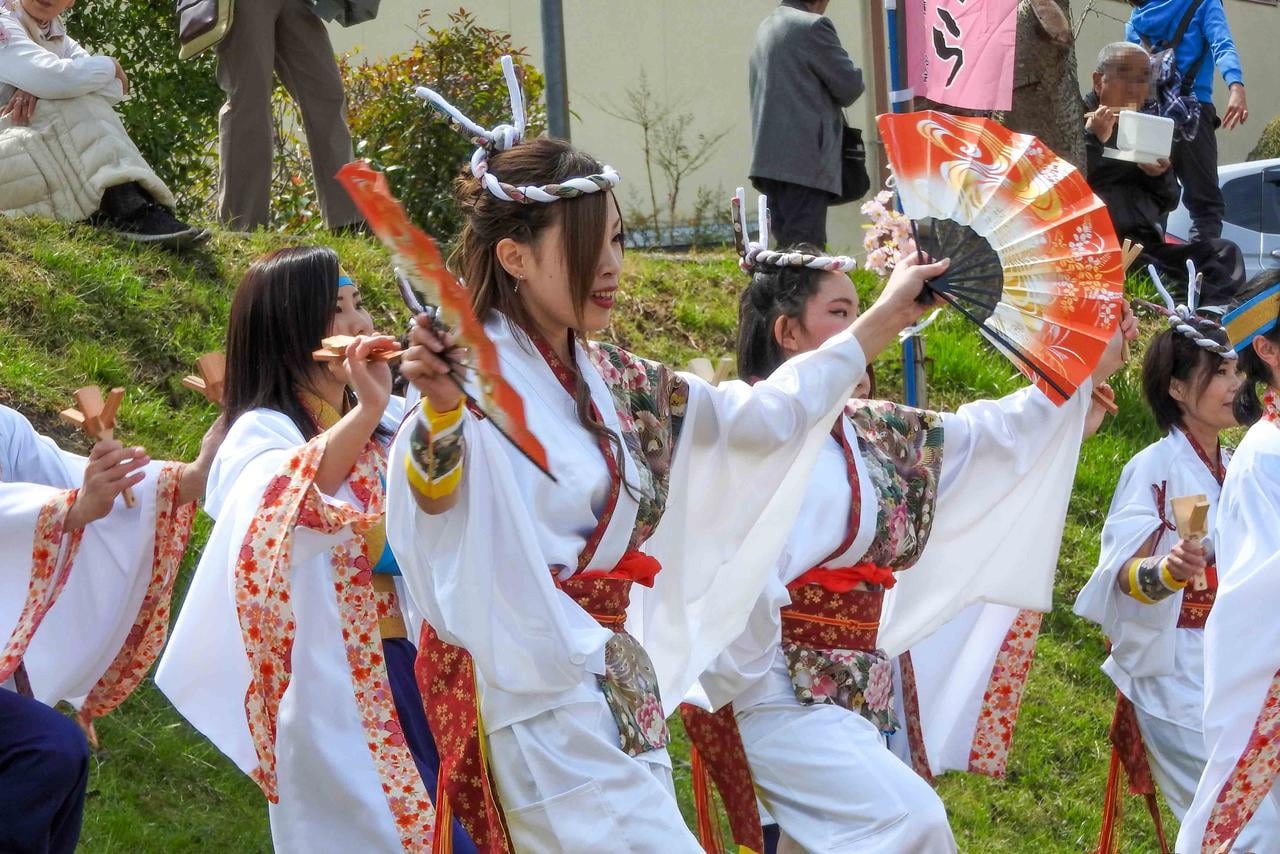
{"x":78,"y":308}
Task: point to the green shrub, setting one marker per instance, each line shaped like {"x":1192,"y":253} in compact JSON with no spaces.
{"x":420,"y":152}
{"x":1269,"y":143}
{"x":173,"y":113}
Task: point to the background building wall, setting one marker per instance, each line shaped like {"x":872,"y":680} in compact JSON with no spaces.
{"x":694,"y":54}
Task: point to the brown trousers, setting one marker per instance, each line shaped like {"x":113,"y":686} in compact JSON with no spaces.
{"x":286,"y":38}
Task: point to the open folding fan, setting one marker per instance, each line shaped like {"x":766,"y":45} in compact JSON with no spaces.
{"x":1034,"y":258}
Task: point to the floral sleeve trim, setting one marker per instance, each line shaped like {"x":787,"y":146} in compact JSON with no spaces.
{"x":436,"y":450}
{"x":51,"y":560}
{"x":263,"y":604}
{"x":1002,"y":700}
{"x":147,"y":636}
{"x":1251,"y":778}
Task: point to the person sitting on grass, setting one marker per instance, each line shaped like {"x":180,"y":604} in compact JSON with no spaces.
{"x":63,"y":150}
{"x":1140,"y":195}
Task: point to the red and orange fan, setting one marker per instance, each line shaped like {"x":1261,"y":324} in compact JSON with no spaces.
{"x":1035,"y":261}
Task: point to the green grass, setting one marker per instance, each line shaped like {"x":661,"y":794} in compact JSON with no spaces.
{"x":77,"y":308}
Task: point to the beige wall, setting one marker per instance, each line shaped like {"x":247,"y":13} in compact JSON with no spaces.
{"x":694,"y":53}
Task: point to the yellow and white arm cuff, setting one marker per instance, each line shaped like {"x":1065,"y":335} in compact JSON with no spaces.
{"x":436,"y":450}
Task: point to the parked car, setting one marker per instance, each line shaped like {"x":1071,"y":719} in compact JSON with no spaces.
{"x":1251,"y":192}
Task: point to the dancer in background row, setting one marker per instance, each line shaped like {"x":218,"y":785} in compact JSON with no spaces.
{"x":1153,"y":590}
{"x":970,"y":504}
{"x":1242,"y":637}
{"x":84,"y":608}
{"x":291,"y":653}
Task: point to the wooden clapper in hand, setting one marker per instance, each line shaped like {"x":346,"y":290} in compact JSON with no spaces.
{"x":212,"y":370}
{"x":97,"y":418}
{"x":1191,"y":514}
{"x":334,"y":349}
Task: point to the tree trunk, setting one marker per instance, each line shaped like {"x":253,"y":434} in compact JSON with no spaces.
{"x":1046,"y":88}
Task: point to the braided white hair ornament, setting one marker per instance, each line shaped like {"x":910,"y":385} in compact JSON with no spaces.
{"x":1183,"y":318}
{"x":755,"y":253}
{"x":507,"y":136}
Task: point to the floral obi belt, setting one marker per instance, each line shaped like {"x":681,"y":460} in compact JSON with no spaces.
{"x":629,"y":684}
{"x":1196,"y":604}
{"x":829,"y":634}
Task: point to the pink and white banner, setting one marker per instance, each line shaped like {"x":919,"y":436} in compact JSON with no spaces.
{"x":960,"y":52}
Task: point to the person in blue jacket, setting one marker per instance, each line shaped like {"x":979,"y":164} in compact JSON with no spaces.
{"x":1206,"y":44}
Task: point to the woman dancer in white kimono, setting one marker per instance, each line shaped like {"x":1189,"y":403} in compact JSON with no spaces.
{"x":804,"y":697}
{"x":1241,"y":647}
{"x":290,"y":653}
{"x":1152,"y":590}
{"x":84,"y":608}
{"x":532,"y":577}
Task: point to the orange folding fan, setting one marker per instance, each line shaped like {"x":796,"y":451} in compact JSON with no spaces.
{"x":1035,"y":261}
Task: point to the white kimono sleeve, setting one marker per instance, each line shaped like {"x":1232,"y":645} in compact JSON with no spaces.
{"x":1242,"y":635}
{"x":1142,"y":636}
{"x":737,"y":480}
{"x":1007,"y":470}
{"x":205,"y":670}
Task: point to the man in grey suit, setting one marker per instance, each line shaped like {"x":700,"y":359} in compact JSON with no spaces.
{"x":801,"y":78}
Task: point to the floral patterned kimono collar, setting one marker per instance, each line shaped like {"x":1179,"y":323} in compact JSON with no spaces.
{"x":263,"y":605}
{"x":1271,"y":406}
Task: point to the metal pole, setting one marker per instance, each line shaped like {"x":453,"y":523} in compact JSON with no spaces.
{"x":557,"y":79}
{"x":913,"y":380}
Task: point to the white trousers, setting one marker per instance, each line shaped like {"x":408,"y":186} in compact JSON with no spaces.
{"x":1178,"y":757}
{"x":567,"y":788}
{"x":828,"y":780}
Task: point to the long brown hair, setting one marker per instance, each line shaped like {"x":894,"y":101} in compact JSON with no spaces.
{"x":489,"y":220}
{"x":281,"y":311}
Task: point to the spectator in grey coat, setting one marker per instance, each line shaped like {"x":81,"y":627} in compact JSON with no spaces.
{"x":801,"y":79}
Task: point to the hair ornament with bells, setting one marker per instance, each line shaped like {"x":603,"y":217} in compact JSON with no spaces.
{"x":507,"y":136}
{"x":755,"y":253}
{"x":1184,"y":319}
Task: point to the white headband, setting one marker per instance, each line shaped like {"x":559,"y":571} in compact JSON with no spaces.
{"x":504,"y":137}
{"x":752,"y":253}
{"x":1183,"y":318}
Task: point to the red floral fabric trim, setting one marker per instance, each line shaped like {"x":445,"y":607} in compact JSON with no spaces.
{"x":1003,"y":698}
{"x":147,"y":636}
{"x":1271,"y":406}
{"x":266,"y":620}
{"x":911,"y":711}
{"x":716,"y":740}
{"x":446,"y":679}
{"x":51,"y":560}
{"x":1251,"y":779}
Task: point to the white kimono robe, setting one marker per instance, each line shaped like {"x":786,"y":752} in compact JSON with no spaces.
{"x":1156,"y":665}
{"x":75,"y":146}
{"x":823,"y":772}
{"x":330,"y":792}
{"x":1242,"y":651}
{"x":88,"y":625}
{"x":480,"y":573}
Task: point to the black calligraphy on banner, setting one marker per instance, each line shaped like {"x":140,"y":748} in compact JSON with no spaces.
{"x":949,"y":49}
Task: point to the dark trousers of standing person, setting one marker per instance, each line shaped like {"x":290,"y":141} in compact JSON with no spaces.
{"x":1219,"y":260}
{"x":1195,"y":162}
{"x":44,"y":769}
{"x":285,"y":38}
{"x":797,"y":214}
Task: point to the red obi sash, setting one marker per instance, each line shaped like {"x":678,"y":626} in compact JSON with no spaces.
{"x":828,"y":610}
{"x":1196,"y":604}
{"x":605,"y":595}
{"x":446,"y":678}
